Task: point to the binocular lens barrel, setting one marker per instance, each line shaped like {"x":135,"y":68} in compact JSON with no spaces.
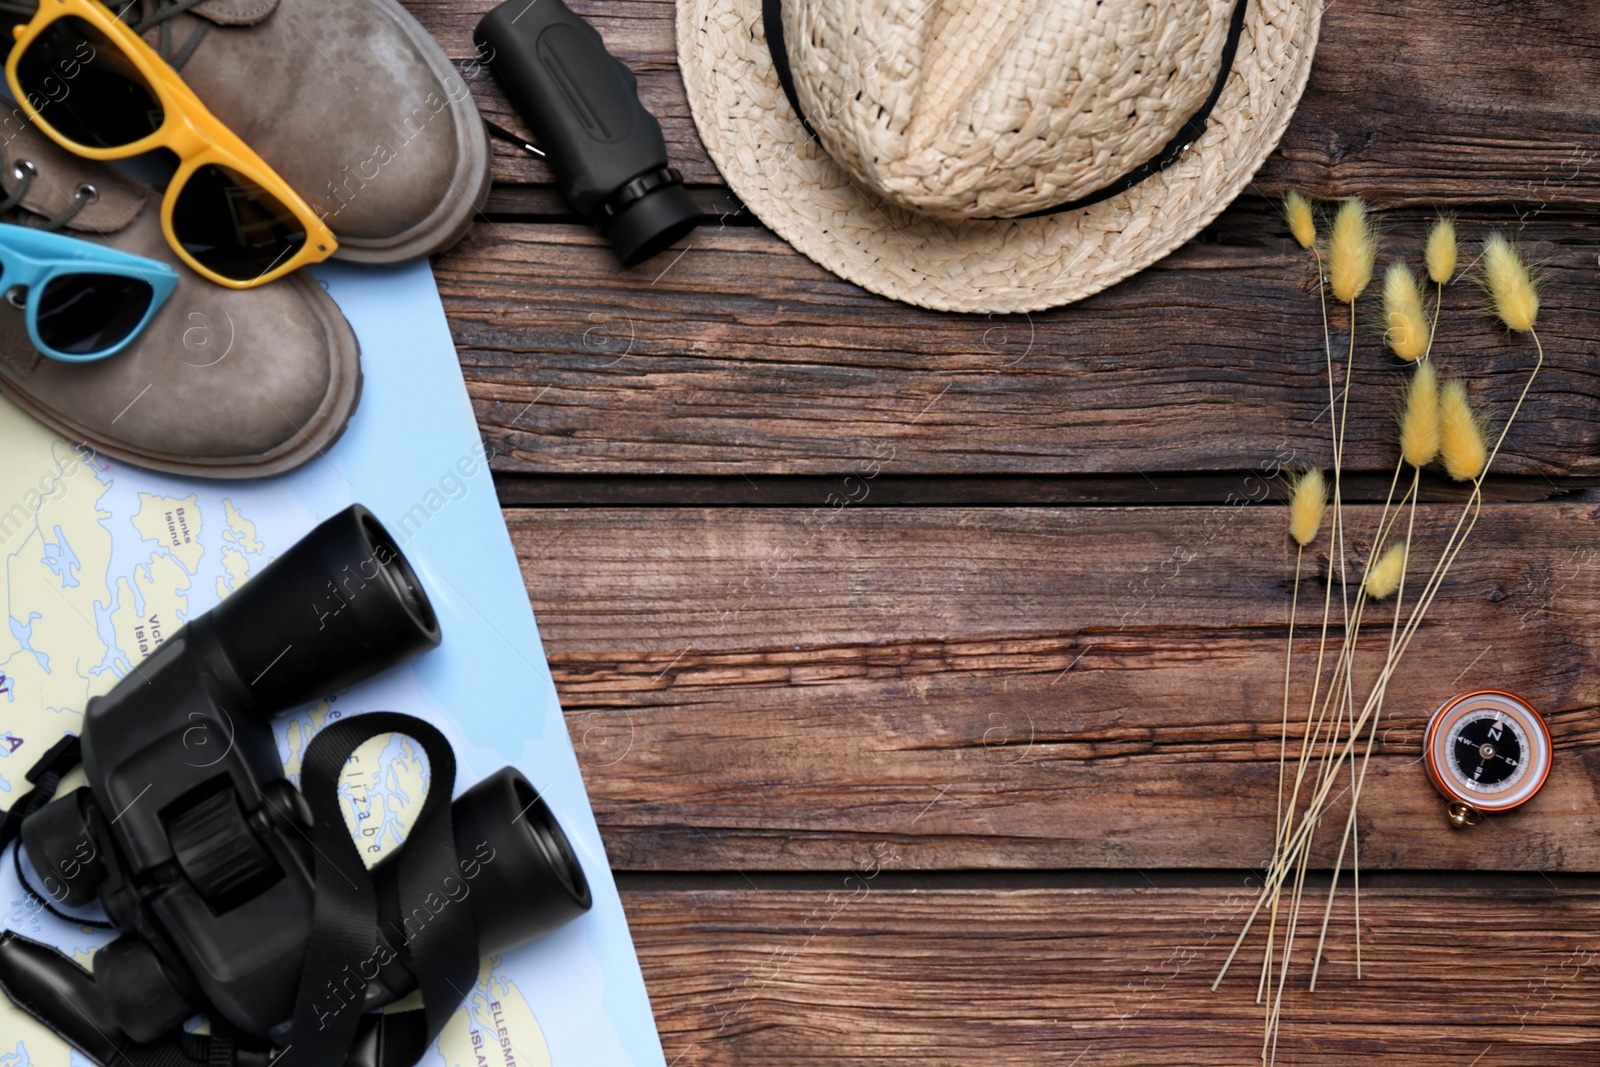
{"x":534,"y":882}
{"x":518,"y":871}
{"x":339,"y":607}
{"x":64,"y":851}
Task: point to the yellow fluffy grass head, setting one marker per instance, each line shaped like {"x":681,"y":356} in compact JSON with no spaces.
{"x":1302,"y":221}
{"x":1405,"y":324}
{"x":1461,"y":443}
{"x":1352,"y":249}
{"x":1511,"y":287}
{"x":1441,"y":250}
{"x":1419,"y":423}
{"x":1308,"y":498}
{"x":1383,"y":577}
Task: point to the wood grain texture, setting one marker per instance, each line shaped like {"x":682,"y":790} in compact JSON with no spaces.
{"x":872,"y":688}
{"x":1109,"y":978}
{"x":1429,"y":102}
{"x":742,"y":357}
{"x":639,"y":32}
{"x":767,"y":491}
{"x":1012,"y":688}
{"x":1443,"y":101}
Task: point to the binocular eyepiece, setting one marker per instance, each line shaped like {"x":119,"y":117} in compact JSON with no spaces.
{"x":200,"y":849}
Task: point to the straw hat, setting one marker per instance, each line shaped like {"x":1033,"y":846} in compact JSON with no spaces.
{"x":945,"y":136}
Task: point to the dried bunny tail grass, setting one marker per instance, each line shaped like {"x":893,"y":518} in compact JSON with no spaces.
{"x":1461,"y":443}
{"x":1420,"y":428}
{"x":1510,"y":285}
{"x":1352,"y":249}
{"x":1302,"y":221}
{"x":1308,"y":499}
{"x":1440,"y":253}
{"x":1405,"y":323}
{"x":1383,"y":577}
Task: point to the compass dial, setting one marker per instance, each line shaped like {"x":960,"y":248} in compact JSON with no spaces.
{"x":1488,"y":749}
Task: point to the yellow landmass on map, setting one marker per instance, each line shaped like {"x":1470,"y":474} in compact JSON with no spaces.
{"x":46,"y":484}
{"x":174,"y":525}
{"x":241,"y":531}
{"x":376,"y":789}
{"x":162,"y":585}
{"x":496,"y":1027}
{"x":235,"y":570}
{"x":44,"y":1048}
{"x":50,"y":646}
{"x":299,"y":736}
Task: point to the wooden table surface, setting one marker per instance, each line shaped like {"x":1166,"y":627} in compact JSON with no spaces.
{"x":925,"y":669}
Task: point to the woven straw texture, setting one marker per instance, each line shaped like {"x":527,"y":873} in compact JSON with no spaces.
{"x":849,"y":227}
{"x":982,"y":108}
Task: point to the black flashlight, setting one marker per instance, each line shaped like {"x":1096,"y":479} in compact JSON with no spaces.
{"x":582,"y":104}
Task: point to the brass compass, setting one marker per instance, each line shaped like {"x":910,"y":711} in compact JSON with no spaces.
{"x":1487,"y":751}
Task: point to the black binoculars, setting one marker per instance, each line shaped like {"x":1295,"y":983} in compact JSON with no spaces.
{"x":207,"y":859}
{"x":583,"y":106}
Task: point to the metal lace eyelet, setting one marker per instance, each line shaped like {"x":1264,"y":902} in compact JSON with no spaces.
{"x":24,"y":168}
{"x":86,"y":192}
{"x":17,"y":296}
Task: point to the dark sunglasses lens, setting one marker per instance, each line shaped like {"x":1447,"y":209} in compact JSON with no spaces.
{"x":86,"y":88}
{"x":233,"y":226}
{"x":81,"y":314}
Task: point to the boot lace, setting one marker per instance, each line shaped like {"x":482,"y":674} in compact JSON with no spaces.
{"x":140,"y":15}
{"x":25,"y":173}
{"x":160,"y":13}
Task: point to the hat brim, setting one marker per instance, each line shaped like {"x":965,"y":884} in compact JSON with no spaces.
{"x":793,"y":186}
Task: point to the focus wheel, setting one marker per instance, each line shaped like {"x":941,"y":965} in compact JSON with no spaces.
{"x":220,"y":854}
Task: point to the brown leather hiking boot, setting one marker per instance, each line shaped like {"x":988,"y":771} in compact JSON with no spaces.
{"x":221,"y":383}
{"x":353,"y":103}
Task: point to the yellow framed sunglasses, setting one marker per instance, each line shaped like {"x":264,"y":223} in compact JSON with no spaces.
{"x":98,"y":90}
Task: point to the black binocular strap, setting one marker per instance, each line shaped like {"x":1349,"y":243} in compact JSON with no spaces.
{"x":443,"y":954}
{"x":46,"y":983}
{"x":46,"y":774}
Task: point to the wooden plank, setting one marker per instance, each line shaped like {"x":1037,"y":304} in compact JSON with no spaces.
{"x":1009,"y":688}
{"x":643,"y":490}
{"x":740,"y":357}
{"x":1103,"y":978}
{"x":639,"y":32}
{"x":1441,"y":102}
{"x":1427,"y":102}
{"x":544,"y":203}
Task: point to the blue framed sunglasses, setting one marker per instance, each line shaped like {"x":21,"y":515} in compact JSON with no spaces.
{"x":83,"y":301}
